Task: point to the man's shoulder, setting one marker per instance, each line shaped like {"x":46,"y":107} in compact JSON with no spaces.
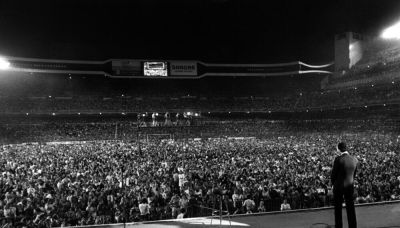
{"x":351,"y":156}
{"x":337,"y":158}
{"x":348,"y":156}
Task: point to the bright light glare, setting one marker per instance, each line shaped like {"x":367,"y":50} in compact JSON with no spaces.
{"x":393,"y":32}
{"x":4,"y":64}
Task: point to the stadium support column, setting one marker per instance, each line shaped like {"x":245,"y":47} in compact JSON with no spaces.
{"x":348,"y":51}
{"x":124,"y":192}
{"x":116,"y":131}
{"x":342,"y":55}
{"x":220,"y":210}
{"x":138,"y":134}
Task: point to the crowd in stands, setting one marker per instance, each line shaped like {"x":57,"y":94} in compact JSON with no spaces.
{"x":380,"y":73}
{"x":355,"y":96}
{"x":47,"y":95}
{"x":285,"y":166}
{"x":380,"y":63}
{"x":379,"y":51}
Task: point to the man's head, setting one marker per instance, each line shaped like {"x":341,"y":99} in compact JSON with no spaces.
{"x":341,"y":147}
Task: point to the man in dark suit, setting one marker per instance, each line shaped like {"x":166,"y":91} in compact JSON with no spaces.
{"x":342,"y":177}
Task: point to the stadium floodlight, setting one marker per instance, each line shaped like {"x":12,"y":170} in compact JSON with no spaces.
{"x":392,"y":32}
{"x":4,"y":64}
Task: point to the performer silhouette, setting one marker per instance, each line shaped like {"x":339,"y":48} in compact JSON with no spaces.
{"x":342,"y":177}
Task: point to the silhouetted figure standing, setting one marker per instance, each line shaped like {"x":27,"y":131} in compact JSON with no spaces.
{"x":342,"y":177}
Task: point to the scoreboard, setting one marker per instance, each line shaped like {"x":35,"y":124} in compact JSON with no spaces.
{"x":144,"y":68}
{"x":134,"y":68}
{"x":155,"y":69}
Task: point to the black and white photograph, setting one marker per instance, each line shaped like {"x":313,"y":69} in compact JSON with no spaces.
{"x":199,"y":113}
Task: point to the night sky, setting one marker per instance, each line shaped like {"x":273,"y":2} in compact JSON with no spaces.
{"x":234,"y":31}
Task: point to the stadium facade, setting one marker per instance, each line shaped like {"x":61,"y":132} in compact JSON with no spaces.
{"x":175,"y":69}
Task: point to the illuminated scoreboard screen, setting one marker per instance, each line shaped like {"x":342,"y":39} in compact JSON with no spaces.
{"x":155,"y":69}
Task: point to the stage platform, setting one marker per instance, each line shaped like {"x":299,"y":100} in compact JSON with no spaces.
{"x":376,"y":215}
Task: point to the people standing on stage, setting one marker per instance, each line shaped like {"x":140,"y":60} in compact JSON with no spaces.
{"x":154,"y":119}
{"x":167,"y":119}
{"x":177,"y":119}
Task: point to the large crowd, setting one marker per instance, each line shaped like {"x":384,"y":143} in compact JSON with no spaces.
{"x":31,"y":130}
{"x":358,"y":97}
{"x":98,"y":182}
{"x":65,"y":172}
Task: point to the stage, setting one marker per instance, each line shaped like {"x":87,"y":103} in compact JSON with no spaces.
{"x":376,"y":215}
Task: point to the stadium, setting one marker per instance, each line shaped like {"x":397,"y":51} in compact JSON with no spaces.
{"x":181,"y":142}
